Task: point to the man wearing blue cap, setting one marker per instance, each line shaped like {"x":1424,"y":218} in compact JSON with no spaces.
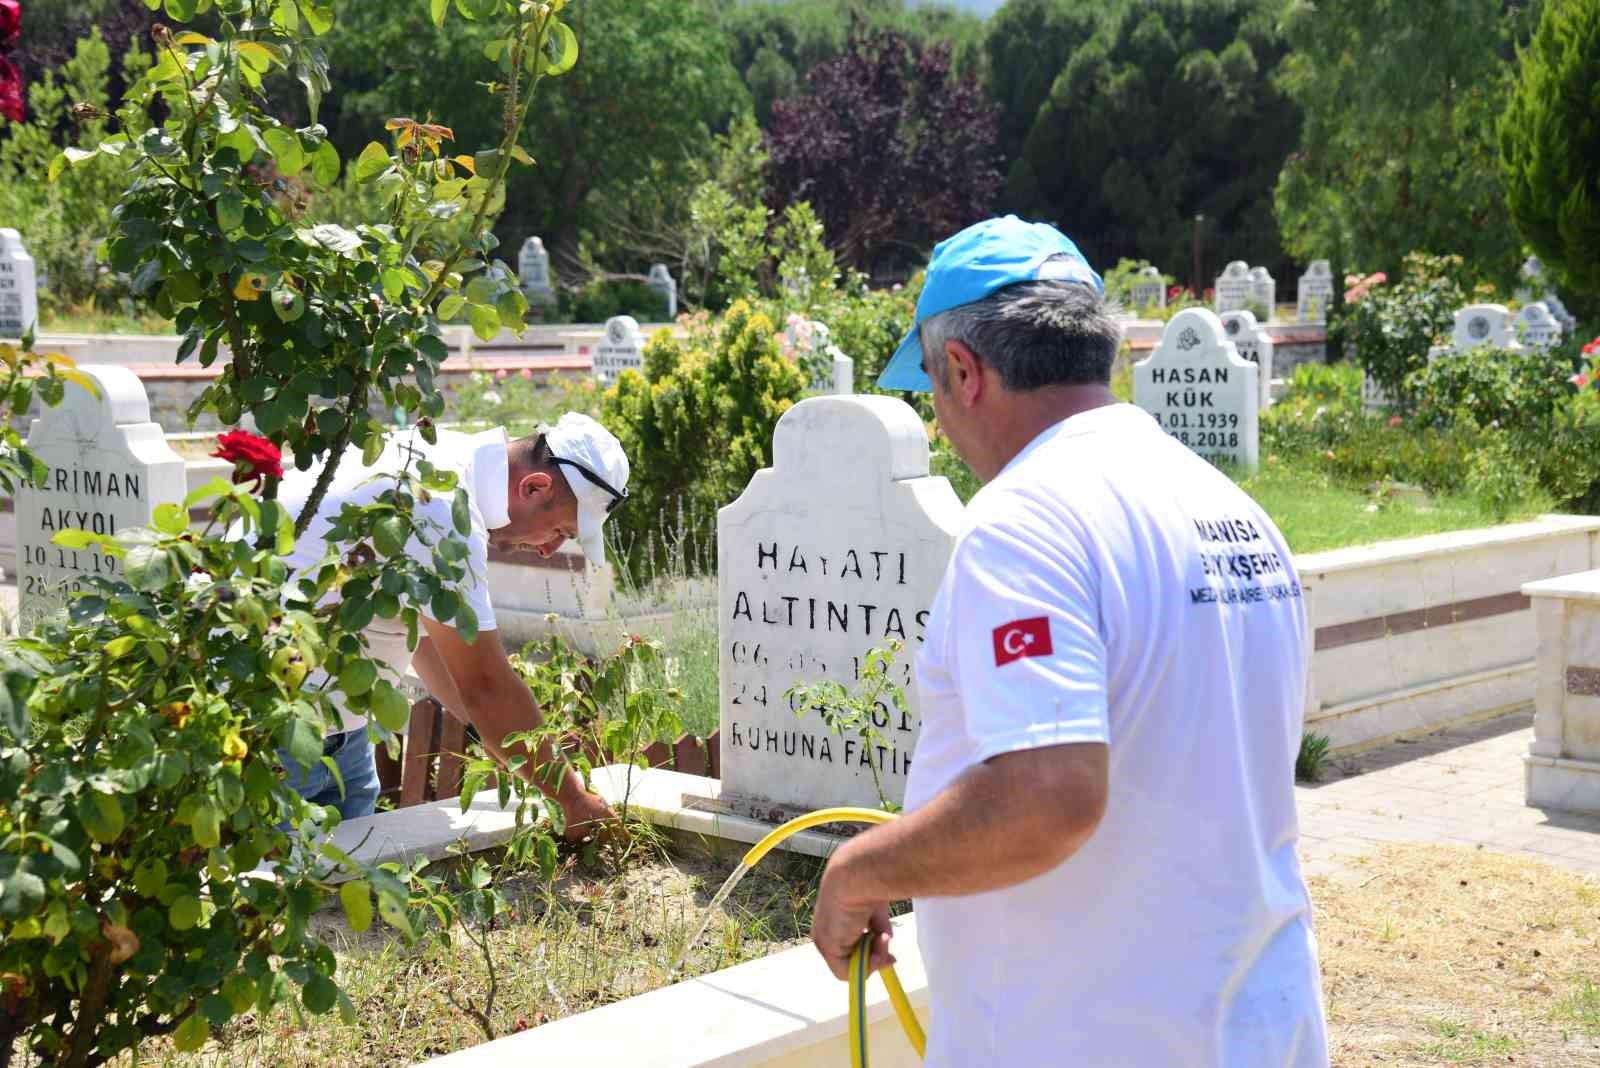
{"x":1099,"y":836}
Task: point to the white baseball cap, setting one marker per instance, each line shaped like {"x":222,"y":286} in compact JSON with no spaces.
{"x":597,"y":470}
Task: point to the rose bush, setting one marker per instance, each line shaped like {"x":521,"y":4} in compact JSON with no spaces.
{"x":157,"y":874}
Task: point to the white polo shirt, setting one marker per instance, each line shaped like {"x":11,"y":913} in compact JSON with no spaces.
{"x":480,"y":463}
{"x":1111,"y":586}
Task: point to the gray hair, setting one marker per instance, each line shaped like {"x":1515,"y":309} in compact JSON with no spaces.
{"x":1034,"y":334}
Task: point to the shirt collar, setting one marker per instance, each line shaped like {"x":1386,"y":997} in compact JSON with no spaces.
{"x":490,"y":475}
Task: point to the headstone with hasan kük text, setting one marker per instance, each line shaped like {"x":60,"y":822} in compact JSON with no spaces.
{"x":1316,"y":293}
{"x":1234,"y":288}
{"x":1254,"y":345}
{"x":19,"y":289}
{"x":1201,"y":391}
{"x":622,"y":349}
{"x":1264,"y":292}
{"x":809,"y":342}
{"x":814,"y":572}
{"x":1149,"y":290}
{"x":661,"y":281}
{"x":107,"y":467}
{"x":1535,"y":327}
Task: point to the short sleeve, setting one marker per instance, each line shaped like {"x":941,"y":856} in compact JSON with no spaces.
{"x":434,"y":519}
{"x":1025,"y":638}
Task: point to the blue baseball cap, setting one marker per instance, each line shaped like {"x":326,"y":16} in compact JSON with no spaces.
{"x":974,"y":263}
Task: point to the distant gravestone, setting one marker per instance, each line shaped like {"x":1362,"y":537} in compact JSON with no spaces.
{"x":814,"y":571}
{"x":533,"y":272}
{"x":833,"y":371}
{"x":19,"y":289}
{"x":660,"y":279}
{"x":1373,"y":396}
{"x":1201,"y":390}
{"x":1253,"y":344}
{"x":1482,"y":324}
{"x":620,"y":350}
{"x":1233,"y":289}
{"x":1535,"y":327}
{"x":1559,"y":311}
{"x":1264,"y":292}
{"x":108,"y":466}
{"x":1316,"y":293}
{"x":1149,"y":290}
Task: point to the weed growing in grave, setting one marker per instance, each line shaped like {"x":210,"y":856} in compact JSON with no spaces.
{"x":867,"y":711}
{"x":1313,"y":752}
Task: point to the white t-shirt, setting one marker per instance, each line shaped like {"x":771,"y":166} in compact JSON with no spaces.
{"x":1111,"y":586}
{"x":479,"y":461}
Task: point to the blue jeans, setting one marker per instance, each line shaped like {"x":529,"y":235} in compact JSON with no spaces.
{"x":353,"y":755}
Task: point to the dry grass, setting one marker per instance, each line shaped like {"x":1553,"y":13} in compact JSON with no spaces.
{"x":1434,"y":955}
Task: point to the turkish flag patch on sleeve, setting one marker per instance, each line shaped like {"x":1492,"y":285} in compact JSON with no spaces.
{"x":1025,"y":637}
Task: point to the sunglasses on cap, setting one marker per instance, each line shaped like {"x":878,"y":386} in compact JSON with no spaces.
{"x":617,"y":496}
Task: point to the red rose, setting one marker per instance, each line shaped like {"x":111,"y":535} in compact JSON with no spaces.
{"x":10,"y":90}
{"x":252,"y":456}
{"x":10,"y":21}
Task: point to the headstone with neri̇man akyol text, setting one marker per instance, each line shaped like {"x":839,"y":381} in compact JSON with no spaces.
{"x":107,"y":468}
{"x":835,"y":550}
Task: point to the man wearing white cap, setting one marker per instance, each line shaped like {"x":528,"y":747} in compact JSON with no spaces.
{"x":528,"y":494}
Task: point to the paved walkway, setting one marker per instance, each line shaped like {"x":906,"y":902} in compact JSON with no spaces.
{"x":1462,"y":786}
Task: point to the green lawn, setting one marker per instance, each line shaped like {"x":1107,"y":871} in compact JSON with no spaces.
{"x":89,"y":321}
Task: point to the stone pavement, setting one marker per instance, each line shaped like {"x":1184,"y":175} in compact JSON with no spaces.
{"x":1461,"y":786}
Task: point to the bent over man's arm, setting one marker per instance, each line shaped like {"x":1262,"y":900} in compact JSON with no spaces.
{"x":479,"y":684}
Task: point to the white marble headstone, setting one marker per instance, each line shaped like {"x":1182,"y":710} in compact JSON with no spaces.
{"x":814,"y":571}
{"x":1201,"y":390}
{"x":1233,"y":288}
{"x":109,"y":467}
{"x":1316,"y":292}
{"x":1254,"y":344}
{"x":1558,"y":309}
{"x":19,"y":290}
{"x":621,"y":349}
{"x":1149,"y":290}
{"x":1535,"y":327}
{"x":1264,"y":291}
{"x":533,"y":271}
{"x":1481,"y":324}
{"x":834,"y":371}
{"x":1373,"y":396}
{"x":660,"y":279}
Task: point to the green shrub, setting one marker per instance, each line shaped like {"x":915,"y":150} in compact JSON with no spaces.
{"x":1390,"y":330}
{"x":1322,"y":383}
{"x":1501,"y":477}
{"x":696,"y":425}
{"x":1493,"y":386}
{"x":62,"y":221}
{"x":603,"y":298}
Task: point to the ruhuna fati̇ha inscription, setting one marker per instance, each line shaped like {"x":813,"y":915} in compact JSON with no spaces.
{"x":834,"y":550}
{"x":108,"y":467}
{"x":1201,"y":390}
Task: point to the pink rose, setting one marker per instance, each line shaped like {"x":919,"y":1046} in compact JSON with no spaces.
{"x":1580,"y":380}
{"x":527,"y":374}
{"x":1394,"y":420}
{"x":500,"y":375}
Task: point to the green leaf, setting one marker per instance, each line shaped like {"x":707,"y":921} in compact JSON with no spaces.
{"x":318,"y":16}
{"x":191,"y":1035}
{"x":21,"y":891}
{"x":466,"y":622}
{"x":357,"y":677}
{"x":206,"y":823}
{"x":325,"y":164}
{"x":287,"y":302}
{"x":150,"y":877}
{"x":461,"y":513}
{"x":182,"y":10}
{"x":394,"y":283}
{"x":148,"y":568}
{"x":78,"y":539}
{"x":389,"y":706}
{"x":451,"y":306}
{"x":439,"y":7}
{"x":356,"y":896}
{"x":560,"y":49}
{"x":101,"y":815}
{"x":444,"y":605}
{"x":392,"y":908}
{"x":331,"y":237}
{"x":302,"y":741}
{"x":285,"y":147}
{"x":485,"y":321}
{"x":390,"y":534}
{"x":184,"y":912}
{"x":373,"y":161}
{"x":230,"y":210}
{"x":170,"y":519}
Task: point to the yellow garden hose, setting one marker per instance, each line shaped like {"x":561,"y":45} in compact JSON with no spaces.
{"x":858,"y":959}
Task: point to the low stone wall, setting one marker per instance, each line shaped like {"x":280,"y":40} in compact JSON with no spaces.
{"x":1412,"y":635}
{"x":1563,"y":763}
